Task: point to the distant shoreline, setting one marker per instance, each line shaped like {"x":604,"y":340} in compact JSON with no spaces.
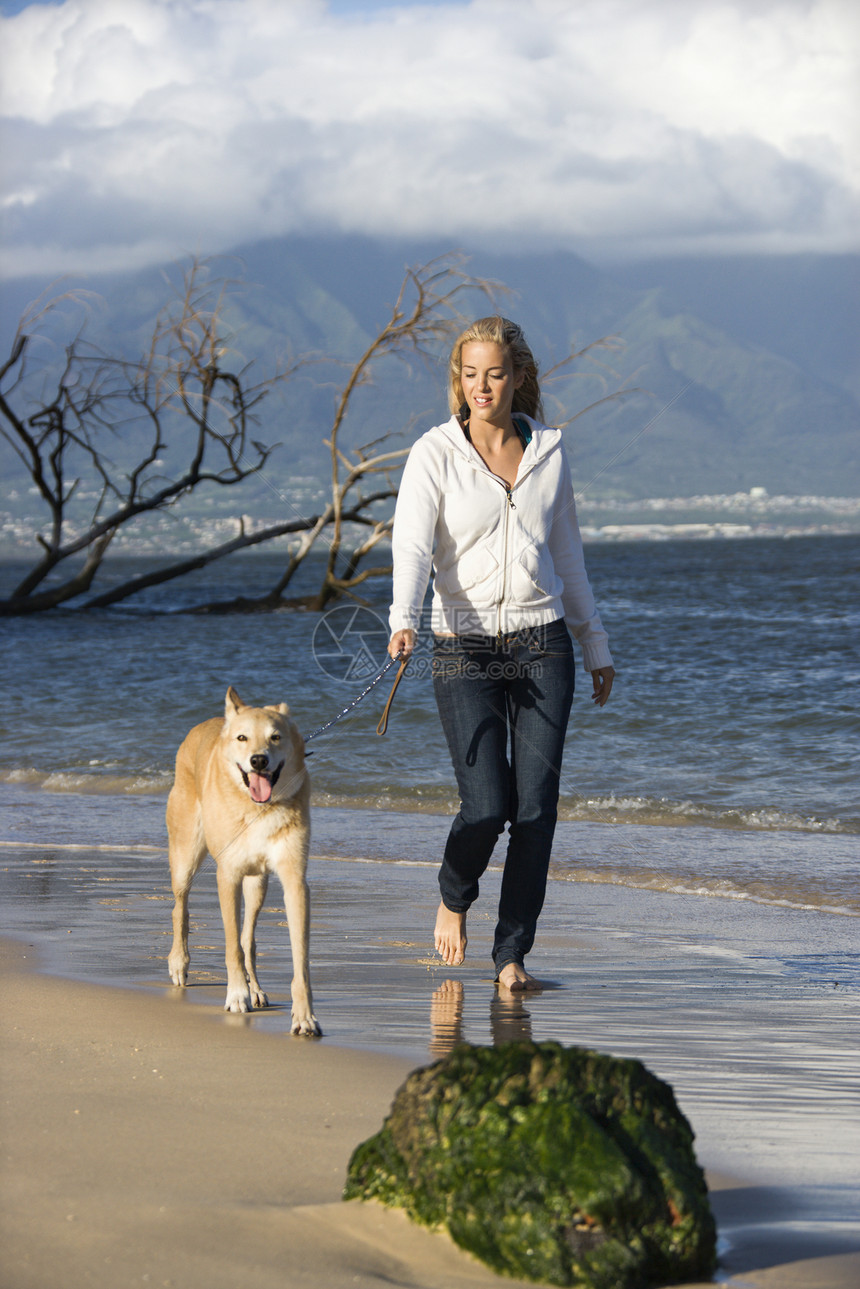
{"x":171,"y":538}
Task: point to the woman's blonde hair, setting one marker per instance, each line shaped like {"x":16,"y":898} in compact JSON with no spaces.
{"x":498,"y":331}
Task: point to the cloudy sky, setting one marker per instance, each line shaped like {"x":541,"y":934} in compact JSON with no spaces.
{"x":138,"y":130}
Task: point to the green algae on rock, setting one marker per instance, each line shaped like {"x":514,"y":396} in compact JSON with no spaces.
{"x":552,"y":1164}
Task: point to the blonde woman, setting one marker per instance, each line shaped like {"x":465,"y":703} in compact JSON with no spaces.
{"x":486,"y":503}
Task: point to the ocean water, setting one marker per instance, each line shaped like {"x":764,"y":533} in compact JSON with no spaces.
{"x":725,"y":765}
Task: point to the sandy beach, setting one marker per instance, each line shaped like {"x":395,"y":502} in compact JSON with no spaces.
{"x":150,"y":1139}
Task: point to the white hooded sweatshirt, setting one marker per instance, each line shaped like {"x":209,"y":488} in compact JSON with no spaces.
{"x":503,"y":559}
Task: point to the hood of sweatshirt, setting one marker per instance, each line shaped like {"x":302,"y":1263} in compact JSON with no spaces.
{"x":544,"y":440}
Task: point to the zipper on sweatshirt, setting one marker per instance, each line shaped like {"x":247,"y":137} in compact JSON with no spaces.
{"x":511,"y":505}
{"x":508,"y":508}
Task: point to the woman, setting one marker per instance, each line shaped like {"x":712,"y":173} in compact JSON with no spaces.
{"x":486,"y":500}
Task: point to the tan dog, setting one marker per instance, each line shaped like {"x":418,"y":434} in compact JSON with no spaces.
{"x":242,"y":792}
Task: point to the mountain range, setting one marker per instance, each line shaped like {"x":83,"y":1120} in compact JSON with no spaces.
{"x":744,"y":370}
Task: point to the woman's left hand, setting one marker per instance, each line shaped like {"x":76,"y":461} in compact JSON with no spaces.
{"x":601,"y":680}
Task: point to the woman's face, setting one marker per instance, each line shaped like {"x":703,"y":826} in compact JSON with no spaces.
{"x":489,"y":381}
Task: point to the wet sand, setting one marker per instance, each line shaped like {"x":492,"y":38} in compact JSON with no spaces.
{"x":148,"y":1138}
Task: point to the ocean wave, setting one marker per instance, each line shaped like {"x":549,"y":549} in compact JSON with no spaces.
{"x":427,"y":800}
{"x":664,"y":813}
{"x":645,"y":811}
{"x":90,"y":782}
{"x":791,"y":897}
{"x":127,"y":848}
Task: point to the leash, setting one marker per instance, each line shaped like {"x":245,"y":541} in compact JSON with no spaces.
{"x":383,"y":721}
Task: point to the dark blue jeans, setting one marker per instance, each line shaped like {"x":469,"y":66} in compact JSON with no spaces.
{"x":504,"y":706}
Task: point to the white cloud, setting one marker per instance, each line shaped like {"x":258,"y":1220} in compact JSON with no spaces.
{"x":139,"y":129}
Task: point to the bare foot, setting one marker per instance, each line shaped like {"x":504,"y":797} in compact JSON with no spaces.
{"x":450,"y":936}
{"x":513,"y":976}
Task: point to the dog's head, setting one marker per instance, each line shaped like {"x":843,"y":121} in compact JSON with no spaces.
{"x":265,"y":747}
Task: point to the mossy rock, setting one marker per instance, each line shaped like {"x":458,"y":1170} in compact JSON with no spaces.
{"x":553,"y":1164}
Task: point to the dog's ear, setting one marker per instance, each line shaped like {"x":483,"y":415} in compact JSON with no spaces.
{"x":281,"y":707}
{"x":233,"y":703}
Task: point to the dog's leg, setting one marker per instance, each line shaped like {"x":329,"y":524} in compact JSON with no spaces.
{"x":297,"y":902}
{"x":254,"y":892}
{"x":187,"y":850}
{"x":230,"y":898}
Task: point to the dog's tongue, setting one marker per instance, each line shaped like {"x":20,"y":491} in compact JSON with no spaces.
{"x":260,"y":787}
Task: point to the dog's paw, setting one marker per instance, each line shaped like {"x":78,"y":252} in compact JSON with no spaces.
{"x":179,"y":974}
{"x":307,"y":1024}
{"x":237,"y":1001}
{"x":258,"y":998}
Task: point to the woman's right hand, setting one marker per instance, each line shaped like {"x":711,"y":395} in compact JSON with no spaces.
{"x":402,"y":642}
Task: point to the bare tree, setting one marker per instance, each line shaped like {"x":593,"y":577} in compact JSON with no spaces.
{"x":106,"y":426}
{"x":183,"y":387}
